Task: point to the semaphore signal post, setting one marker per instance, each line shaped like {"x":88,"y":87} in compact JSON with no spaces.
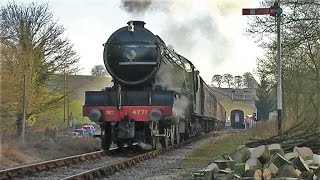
{"x":275,"y":11}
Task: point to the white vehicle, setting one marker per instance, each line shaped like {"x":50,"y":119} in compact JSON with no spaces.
{"x":82,"y":132}
{"x":73,"y":134}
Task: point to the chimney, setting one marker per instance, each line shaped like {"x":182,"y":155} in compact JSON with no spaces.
{"x":137,"y":23}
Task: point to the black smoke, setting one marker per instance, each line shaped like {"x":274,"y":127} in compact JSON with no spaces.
{"x":136,"y":6}
{"x":140,"y":7}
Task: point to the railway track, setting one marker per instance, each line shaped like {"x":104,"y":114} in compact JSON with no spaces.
{"x":108,"y":170}
{"x":94,"y":173}
{"x":21,"y":171}
{"x":101,"y":172}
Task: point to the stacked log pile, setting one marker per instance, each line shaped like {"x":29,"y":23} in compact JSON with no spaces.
{"x":264,"y":162}
{"x":295,"y":154}
{"x":302,"y":134}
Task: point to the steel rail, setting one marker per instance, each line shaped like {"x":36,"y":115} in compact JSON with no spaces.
{"x":108,"y":170}
{"x":101,"y":172}
{"x":50,"y":164}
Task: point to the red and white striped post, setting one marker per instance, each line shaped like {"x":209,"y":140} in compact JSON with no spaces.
{"x":258,"y":11}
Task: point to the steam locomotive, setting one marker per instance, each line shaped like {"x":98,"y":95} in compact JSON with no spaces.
{"x":158,"y":97}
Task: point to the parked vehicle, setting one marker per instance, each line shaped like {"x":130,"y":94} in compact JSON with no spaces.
{"x":82,"y":132}
{"x":89,"y":129}
{"x":73,"y":134}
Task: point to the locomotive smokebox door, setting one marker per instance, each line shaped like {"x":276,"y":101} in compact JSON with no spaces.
{"x":126,"y":129}
{"x":132,"y":54}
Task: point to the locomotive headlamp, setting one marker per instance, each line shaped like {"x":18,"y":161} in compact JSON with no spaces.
{"x":155,"y":115}
{"x":95,"y":115}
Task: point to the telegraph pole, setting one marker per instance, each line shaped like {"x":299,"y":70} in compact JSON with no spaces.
{"x":279,"y":68}
{"x":68,"y":101}
{"x":23,"y":120}
{"x":275,"y":11}
{"x":64,"y":95}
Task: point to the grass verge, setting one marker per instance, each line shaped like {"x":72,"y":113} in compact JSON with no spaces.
{"x":224,"y":144}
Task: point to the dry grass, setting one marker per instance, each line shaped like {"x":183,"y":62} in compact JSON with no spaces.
{"x":266,"y":129}
{"x":38,"y":147}
{"x":13,"y":156}
{"x":262,"y":130}
{"x":49,"y":148}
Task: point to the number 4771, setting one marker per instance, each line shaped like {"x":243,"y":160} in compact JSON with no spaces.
{"x":139,"y":111}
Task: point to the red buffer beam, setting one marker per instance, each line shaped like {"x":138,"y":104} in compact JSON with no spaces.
{"x":258,"y":11}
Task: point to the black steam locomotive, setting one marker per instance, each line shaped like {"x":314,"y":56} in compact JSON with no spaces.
{"x":158,"y":97}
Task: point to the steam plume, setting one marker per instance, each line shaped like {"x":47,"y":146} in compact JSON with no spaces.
{"x":135,"y":6}
{"x":198,"y":30}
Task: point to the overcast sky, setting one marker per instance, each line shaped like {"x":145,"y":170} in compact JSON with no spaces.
{"x":210,"y":33}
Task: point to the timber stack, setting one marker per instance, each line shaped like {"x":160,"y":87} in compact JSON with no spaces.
{"x":303,"y":134}
{"x":263,"y":163}
{"x":295,"y":154}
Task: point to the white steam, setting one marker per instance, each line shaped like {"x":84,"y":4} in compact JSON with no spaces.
{"x":180,"y":106}
{"x":169,"y":79}
{"x":201,"y":31}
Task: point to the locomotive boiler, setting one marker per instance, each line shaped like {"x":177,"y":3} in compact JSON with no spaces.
{"x":158,"y":97}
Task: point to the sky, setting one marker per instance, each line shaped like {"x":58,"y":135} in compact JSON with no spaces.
{"x":210,"y":33}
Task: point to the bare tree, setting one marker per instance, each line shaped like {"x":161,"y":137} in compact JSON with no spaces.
{"x":248,"y":80}
{"x":217,"y":79}
{"x":99,"y":70}
{"x":32,"y":45}
{"x":238,"y":81}
{"x":228,"y":78}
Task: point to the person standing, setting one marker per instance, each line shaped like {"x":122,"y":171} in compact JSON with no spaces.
{"x":248,"y":122}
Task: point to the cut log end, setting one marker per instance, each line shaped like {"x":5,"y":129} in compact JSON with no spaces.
{"x":266,"y":174}
{"x":258,"y":174}
{"x":262,"y":153}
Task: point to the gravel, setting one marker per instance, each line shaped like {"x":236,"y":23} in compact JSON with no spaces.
{"x":63,"y":172}
{"x":166,"y":166}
